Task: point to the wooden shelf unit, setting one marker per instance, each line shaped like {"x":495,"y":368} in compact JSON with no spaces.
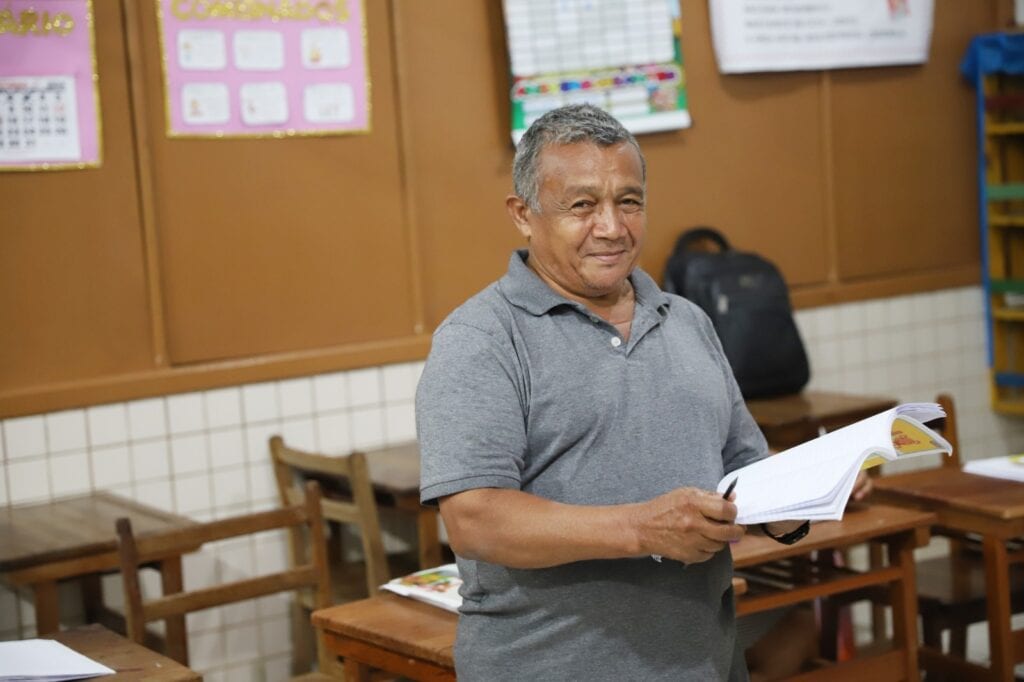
{"x":1002,"y":197}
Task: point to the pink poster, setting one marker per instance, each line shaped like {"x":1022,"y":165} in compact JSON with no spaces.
{"x":49,"y":104}
{"x":273,"y":68}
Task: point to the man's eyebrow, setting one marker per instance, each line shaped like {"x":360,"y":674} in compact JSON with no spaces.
{"x":593,"y":189}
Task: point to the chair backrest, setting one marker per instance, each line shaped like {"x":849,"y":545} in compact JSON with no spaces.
{"x":949,"y":430}
{"x":136,"y":551}
{"x":355,"y":505}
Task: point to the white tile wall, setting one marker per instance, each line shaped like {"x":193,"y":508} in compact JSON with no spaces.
{"x":205,"y":455}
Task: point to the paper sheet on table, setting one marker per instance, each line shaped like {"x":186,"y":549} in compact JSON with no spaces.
{"x":1010,"y":468}
{"x":45,"y":659}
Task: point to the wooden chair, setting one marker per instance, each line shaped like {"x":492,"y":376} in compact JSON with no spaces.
{"x":348,"y":500}
{"x":313,"y":575}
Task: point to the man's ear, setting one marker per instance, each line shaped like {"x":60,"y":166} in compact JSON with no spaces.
{"x":519,"y":212}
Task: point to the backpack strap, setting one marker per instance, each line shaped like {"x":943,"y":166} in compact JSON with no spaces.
{"x":701,"y":233}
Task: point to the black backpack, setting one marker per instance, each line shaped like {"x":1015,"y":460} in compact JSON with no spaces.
{"x":748,"y":302}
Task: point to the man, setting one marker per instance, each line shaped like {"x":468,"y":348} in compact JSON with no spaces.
{"x":574,"y":420}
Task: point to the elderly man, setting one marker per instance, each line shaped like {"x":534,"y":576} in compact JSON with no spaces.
{"x":574,"y":420}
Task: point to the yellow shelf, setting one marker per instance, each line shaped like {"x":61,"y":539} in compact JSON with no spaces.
{"x":1007,"y":407}
{"x":1005,"y":219}
{"x":1010,"y":314}
{"x":1015,"y":128}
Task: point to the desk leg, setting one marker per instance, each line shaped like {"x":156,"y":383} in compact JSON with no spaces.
{"x":176,"y":639}
{"x":904,"y":602}
{"x":997,"y":585}
{"x":47,"y":607}
{"x":429,"y":538}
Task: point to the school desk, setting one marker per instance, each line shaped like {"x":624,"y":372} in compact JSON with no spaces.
{"x":994,"y":509}
{"x":131,"y":661}
{"x":781,"y":575}
{"x":74,"y":537}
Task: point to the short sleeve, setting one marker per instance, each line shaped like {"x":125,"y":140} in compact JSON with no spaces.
{"x":745,"y":443}
{"x":470,"y":413}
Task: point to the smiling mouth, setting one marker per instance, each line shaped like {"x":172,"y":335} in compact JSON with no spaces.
{"x":608,"y":257}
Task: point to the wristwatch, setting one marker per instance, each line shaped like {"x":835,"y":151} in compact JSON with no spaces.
{"x":793,"y":536}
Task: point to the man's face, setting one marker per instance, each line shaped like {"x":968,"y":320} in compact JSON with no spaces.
{"x":586,"y":238}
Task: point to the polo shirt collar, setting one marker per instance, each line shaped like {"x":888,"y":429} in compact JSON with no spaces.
{"x":525,"y":289}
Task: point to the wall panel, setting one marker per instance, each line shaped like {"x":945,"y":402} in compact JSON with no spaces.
{"x":73,"y":300}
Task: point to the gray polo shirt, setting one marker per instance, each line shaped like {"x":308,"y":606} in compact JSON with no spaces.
{"x":527,"y":390}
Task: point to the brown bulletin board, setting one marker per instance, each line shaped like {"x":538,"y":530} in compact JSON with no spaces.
{"x":271,"y":245}
{"x":905,"y":158}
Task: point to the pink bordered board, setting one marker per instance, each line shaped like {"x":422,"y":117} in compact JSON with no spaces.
{"x":272,"y":68}
{"x":49,"y":101}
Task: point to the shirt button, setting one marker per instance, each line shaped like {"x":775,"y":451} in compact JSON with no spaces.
{"x":616,"y":342}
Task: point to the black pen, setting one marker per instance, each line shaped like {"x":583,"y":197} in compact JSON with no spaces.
{"x":728,"y":491}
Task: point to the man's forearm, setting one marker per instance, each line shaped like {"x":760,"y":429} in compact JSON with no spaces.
{"x":520,"y":530}
{"x":516,"y":529}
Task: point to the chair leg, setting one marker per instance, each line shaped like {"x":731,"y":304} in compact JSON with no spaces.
{"x":303,"y":642}
{"x":958,"y":641}
{"x":829,"y":641}
{"x":931,"y":633}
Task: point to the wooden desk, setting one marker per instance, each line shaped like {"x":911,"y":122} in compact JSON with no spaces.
{"x":392,"y":633}
{"x":415,"y":640}
{"x":131,"y":661}
{"x":395,"y":474}
{"x":992,"y":508}
{"x":779,"y":575}
{"x":793,"y":419}
{"x":42,"y":544}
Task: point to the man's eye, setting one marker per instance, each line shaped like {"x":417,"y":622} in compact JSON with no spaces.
{"x":581,"y":206}
{"x":632,"y":204}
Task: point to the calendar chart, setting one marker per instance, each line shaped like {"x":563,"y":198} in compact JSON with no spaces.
{"x":621,"y":55}
{"x":49,"y":101}
{"x":37,"y":119}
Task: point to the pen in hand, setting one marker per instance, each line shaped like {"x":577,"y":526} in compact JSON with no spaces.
{"x":725,"y":496}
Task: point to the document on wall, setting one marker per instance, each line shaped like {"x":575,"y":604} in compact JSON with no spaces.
{"x":437,"y":586}
{"x":792,"y":35}
{"x":264,"y":69}
{"x":814,"y":480}
{"x":45,"y":659}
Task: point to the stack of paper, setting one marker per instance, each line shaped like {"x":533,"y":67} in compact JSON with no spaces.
{"x":45,"y":659}
{"x":1011,"y":467}
{"x":814,"y":480}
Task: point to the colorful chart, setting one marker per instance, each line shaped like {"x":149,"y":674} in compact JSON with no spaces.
{"x":621,"y":55}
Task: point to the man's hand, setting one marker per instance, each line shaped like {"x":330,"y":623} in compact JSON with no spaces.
{"x":687,"y":524}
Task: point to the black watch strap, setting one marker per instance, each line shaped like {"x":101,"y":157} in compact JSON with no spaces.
{"x":793,"y":536}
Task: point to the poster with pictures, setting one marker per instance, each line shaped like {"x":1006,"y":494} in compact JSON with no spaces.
{"x":792,"y":35}
{"x":269,"y":69}
{"x":49,"y":103}
{"x":624,"y":56}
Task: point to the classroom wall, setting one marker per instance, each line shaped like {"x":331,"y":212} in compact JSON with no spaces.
{"x":185,"y":265}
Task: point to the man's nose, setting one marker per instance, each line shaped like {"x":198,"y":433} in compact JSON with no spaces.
{"x":608,"y":221}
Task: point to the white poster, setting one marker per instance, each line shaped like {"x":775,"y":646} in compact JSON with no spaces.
{"x":794,"y":35}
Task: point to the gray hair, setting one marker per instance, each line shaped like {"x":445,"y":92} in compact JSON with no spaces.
{"x":565,"y":125}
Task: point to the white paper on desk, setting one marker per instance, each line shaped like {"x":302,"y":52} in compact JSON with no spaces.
{"x":1010,"y":468}
{"x":814,"y":480}
{"x":45,"y":659}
